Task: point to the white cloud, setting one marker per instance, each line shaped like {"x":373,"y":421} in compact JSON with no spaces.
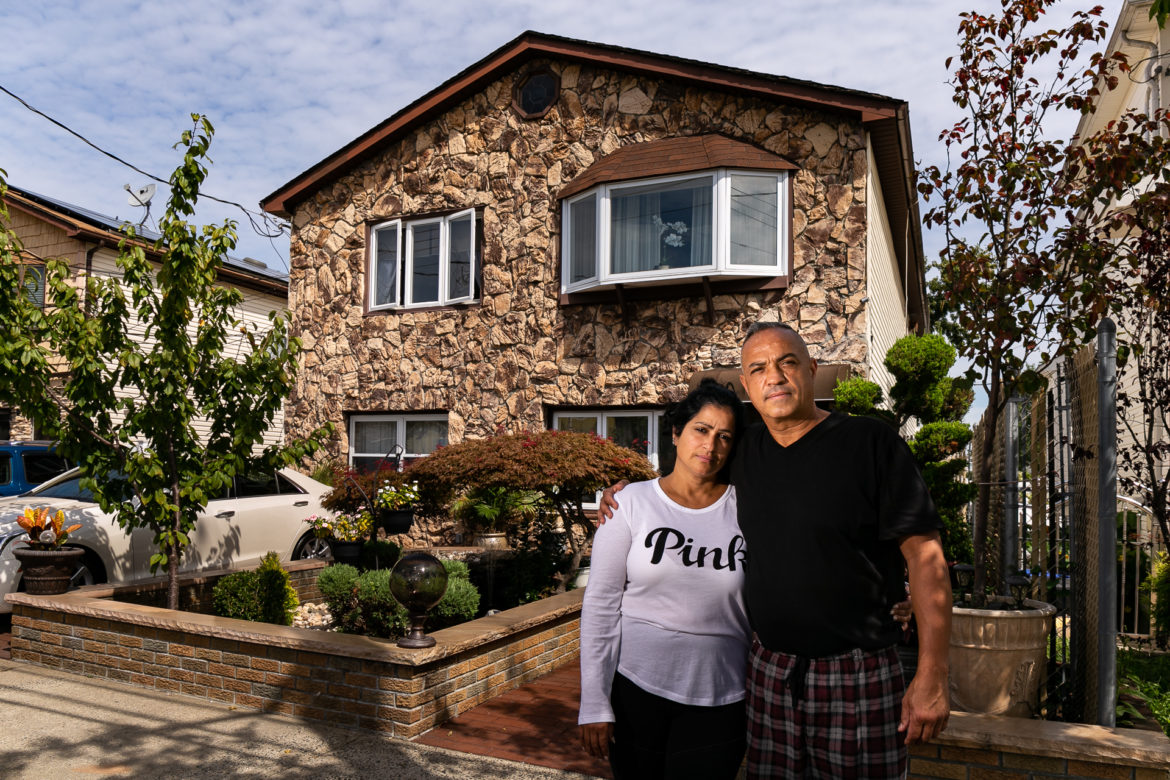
{"x":287,"y":83}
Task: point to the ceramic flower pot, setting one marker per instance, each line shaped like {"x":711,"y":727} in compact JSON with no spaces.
{"x":346,"y":552}
{"x":491,"y":541}
{"x":998,"y":659}
{"x":47,"y":572}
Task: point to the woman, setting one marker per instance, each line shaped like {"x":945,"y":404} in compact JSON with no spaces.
{"x":664,"y":634}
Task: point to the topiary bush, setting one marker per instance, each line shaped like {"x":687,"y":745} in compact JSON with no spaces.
{"x":263,"y":595}
{"x":461,"y":601}
{"x":278,"y":598}
{"x":1159,"y":584}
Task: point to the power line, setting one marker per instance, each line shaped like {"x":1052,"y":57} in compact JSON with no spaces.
{"x":267,"y":226}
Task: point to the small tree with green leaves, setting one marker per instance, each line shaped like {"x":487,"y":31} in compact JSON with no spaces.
{"x":123,"y":405}
{"x":922,"y":390}
{"x":566,"y":467}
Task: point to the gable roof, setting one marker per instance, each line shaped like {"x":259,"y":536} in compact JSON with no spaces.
{"x":85,"y":225}
{"x":887,"y":120}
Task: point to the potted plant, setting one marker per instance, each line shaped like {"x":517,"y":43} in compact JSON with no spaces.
{"x":487,"y":511}
{"x":345,"y":532}
{"x":46,"y":562}
{"x":394,"y":502}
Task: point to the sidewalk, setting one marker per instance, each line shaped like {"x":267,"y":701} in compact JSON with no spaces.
{"x":58,"y":724}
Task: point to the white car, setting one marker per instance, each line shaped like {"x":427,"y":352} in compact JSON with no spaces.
{"x":263,"y":513}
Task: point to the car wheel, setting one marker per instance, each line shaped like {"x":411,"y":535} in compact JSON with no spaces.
{"x":89,"y":572}
{"x":311,"y":547}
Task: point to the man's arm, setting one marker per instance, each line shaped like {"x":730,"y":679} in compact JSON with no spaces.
{"x":926,"y":706}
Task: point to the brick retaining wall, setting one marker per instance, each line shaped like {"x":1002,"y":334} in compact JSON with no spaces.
{"x":982,"y":747}
{"x":342,"y":679}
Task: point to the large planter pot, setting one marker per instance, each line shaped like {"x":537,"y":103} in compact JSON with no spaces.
{"x":396,"y":521}
{"x":47,"y":572}
{"x":346,"y":552}
{"x":998,"y":659}
{"x":491,"y":540}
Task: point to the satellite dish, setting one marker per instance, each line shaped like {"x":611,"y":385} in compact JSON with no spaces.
{"x":140,"y":196}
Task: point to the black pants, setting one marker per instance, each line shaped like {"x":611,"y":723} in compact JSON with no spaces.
{"x":658,"y":738}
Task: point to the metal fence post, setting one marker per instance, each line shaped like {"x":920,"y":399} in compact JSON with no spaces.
{"x":1009,"y":543}
{"x":1107,"y":522}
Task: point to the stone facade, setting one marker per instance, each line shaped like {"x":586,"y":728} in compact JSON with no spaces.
{"x":504,"y":361}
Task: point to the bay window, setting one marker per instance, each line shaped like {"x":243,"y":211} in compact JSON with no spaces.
{"x":716,"y":223}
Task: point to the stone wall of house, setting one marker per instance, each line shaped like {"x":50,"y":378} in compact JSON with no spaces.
{"x":499,"y":364}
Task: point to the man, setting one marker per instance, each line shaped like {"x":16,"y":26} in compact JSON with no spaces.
{"x":833,"y":511}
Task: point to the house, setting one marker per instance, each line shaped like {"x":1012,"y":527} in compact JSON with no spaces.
{"x":566,"y":234}
{"x":88,"y":241}
{"x":1143,"y":90}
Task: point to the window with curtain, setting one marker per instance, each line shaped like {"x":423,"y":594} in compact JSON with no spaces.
{"x":719,"y":223}
{"x":637,"y":430}
{"x":376,"y":439}
{"x":424,"y":262}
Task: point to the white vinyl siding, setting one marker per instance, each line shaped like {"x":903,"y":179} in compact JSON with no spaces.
{"x":886,"y":310}
{"x":252,"y":312}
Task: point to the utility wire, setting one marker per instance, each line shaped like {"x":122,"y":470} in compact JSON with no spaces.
{"x":267,"y":227}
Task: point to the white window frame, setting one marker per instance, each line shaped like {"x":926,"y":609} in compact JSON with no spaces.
{"x":603,"y":415}
{"x":720,"y":224}
{"x":404,"y":289}
{"x":400,"y":421}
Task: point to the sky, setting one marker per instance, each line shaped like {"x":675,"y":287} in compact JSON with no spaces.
{"x":287,"y":83}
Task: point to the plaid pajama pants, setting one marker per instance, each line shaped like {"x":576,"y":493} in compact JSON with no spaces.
{"x":832,"y":717}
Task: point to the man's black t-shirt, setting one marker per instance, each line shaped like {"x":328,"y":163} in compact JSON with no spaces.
{"x":822,"y":519}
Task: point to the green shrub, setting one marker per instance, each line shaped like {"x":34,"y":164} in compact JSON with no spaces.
{"x":336,"y":584}
{"x":460,"y":603}
{"x":857,"y":396}
{"x":238,"y":596}
{"x":278,"y":598}
{"x":263,"y":595}
{"x":381,"y":554}
{"x":456,"y":570}
{"x":1160,"y":586}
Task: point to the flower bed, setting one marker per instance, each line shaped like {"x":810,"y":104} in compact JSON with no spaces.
{"x":339,"y":678}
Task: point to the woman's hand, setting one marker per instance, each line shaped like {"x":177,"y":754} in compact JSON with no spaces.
{"x":595,"y":738}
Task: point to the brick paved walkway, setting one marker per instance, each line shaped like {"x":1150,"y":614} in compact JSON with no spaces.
{"x":536,"y":724}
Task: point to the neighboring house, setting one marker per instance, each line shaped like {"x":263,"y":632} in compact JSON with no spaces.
{"x":1144,"y":89}
{"x":566,"y":234}
{"x":49,"y":228}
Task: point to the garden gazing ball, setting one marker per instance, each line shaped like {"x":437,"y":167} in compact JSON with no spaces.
{"x":418,"y":581}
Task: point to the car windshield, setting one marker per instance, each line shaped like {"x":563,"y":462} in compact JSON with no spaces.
{"x":67,"y":486}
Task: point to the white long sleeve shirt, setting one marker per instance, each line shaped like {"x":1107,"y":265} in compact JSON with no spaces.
{"x":664,"y":604}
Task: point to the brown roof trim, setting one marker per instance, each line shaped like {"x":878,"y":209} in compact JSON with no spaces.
{"x":529,"y":45}
{"x":81,"y":230}
{"x":674,"y":155}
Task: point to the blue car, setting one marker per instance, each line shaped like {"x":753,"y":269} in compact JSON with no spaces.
{"x":26,"y":464}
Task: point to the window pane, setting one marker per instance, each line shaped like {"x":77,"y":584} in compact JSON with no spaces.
{"x":375,"y":437}
{"x":5,"y":468}
{"x":256,"y":484}
{"x":459,"y":268}
{"x":661,"y":226}
{"x":631,"y":432}
{"x":578,"y":424}
{"x":34,"y":283}
{"x":386,"y":269}
{"x":42,"y":466}
{"x":583,"y":239}
{"x":425,"y":258}
{"x":753,"y":220}
{"x":424,"y":436}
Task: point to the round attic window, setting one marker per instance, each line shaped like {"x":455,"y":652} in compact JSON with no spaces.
{"x":535,"y":93}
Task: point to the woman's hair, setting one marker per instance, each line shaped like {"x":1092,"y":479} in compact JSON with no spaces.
{"x":708,"y":392}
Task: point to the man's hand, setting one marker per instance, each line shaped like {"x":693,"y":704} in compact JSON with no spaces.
{"x":595,"y":737}
{"x":926,"y":705}
{"x":925,"y":709}
{"x":902,"y":612}
{"x":609,"y":502}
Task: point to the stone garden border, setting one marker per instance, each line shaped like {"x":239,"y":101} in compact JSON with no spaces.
{"x":342,"y":679}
